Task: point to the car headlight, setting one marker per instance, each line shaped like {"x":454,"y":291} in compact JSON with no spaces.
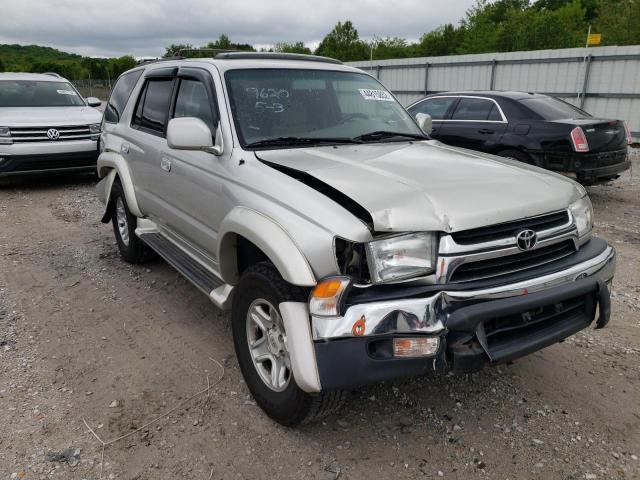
{"x":401,"y":257}
{"x":582,"y":212}
{"x":5,"y":136}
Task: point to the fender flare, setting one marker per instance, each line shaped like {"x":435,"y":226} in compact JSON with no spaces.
{"x":268,"y":236}
{"x":111,"y":164}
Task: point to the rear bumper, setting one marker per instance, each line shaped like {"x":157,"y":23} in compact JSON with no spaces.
{"x":585,"y":166}
{"x":476,"y":327}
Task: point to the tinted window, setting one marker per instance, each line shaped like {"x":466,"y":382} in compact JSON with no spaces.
{"x":435,"y":107}
{"x":474,"y":109}
{"x":120,"y":95}
{"x":193,"y":101}
{"x":550,"y":108}
{"x":29,"y":93}
{"x":153,"y":106}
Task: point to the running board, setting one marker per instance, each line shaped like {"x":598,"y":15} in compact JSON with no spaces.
{"x":193,"y":270}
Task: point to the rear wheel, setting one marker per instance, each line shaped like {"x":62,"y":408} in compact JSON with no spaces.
{"x":261,"y":346}
{"x":131,"y":248}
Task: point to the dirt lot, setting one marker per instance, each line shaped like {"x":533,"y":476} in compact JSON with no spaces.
{"x":86,"y":336}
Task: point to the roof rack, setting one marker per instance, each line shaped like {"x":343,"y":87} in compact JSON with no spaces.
{"x":53,"y":74}
{"x":237,"y":55}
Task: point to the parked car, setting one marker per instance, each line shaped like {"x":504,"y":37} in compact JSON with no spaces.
{"x":46,"y":125}
{"x":532,"y":128}
{"x":349,"y":246}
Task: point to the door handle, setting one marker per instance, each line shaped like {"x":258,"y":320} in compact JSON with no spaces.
{"x":485,"y":131}
{"x":165,"y":164}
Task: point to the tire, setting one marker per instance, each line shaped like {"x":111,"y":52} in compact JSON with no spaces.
{"x":260,"y":291}
{"x":132,"y":249}
{"x":517,"y":155}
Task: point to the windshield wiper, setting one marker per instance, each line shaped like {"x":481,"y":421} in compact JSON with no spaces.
{"x":287,"y":141}
{"x":381,"y":134}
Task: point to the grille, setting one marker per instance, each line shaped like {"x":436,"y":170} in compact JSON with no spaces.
{"x":39,"y":134}
{"x":498,"y":266}
{"x":511,"y":229}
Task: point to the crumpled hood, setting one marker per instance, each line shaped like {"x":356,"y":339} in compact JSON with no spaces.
{"x":430,"y":186}
{"x":48,"y":116}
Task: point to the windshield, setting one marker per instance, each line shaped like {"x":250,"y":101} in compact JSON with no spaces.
{"x":28,"y":93}
{"x":550,"y":108}
{"x":277,"y":107}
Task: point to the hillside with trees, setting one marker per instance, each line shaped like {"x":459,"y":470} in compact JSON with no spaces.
{"x":489,"y":26}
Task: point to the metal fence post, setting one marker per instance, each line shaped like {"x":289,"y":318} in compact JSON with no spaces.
{"x":426,"y":78}
{"x":492,"y":82}
{"x":585,"y":84}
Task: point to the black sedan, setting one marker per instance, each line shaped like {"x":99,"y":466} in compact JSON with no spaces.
{"x":533,"y":128}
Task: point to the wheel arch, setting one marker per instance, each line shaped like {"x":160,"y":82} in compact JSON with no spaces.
{"x":270,"y":238}
{"x":112,"y":166}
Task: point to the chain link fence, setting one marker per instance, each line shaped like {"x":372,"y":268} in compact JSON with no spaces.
{"x":94,"y":88}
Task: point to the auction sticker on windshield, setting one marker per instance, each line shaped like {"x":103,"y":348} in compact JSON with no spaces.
{"x":66,"y":92}
{"x":379,"y":95}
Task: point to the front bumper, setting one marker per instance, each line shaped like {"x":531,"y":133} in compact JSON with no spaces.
{"x":48,"y":157}
{"x":476,"y":326}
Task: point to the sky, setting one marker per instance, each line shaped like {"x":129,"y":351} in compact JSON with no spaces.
{"x":143,"y":29}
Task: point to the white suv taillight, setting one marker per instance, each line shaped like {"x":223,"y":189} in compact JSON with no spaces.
{"x":5,"y":136}
{"x":627,"y":132}
{"x":579,"y":140}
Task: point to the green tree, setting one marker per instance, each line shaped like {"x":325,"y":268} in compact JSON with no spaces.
{"x":618,"y":21}
{"x":343,"y":43}
{"x":296,"y":47}
{"x":1,"y":65}
{"x":173,"y":49}
{"x":224,"y":43}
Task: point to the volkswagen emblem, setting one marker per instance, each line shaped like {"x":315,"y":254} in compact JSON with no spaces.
{"x":526,"y":239}
{"x":53,"y":134}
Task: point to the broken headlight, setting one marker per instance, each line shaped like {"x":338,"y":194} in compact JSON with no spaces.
{"x":401,"y":257}
{"x":582,"y":212}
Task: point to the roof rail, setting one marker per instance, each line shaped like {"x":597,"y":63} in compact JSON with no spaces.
{"x":53,"y":74}
{"x":274,"y":56}
{"x":213,"y":51}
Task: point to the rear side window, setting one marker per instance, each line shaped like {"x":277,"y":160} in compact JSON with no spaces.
{"x":478,"y":109}
{"x":436,"y":107}
{"x":550,"y":108}
{"x":120,"y":95}
{"x":193,"y":101}
{"x":152,"y":110}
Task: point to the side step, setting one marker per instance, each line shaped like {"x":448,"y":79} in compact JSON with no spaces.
{"x":203,"y":278}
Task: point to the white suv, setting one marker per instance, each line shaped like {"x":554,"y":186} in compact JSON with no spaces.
{"x":46,"y":125}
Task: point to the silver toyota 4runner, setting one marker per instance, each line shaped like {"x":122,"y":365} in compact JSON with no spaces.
{"x":350,"y":247}
{"x":46,"y":125}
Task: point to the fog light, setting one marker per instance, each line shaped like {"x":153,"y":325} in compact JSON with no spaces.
{"x":415,"y":347}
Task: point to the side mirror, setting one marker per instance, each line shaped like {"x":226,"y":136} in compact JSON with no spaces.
{"x":425,"y":123}
{"x":191,"y":133}
{"x":93,"y":102}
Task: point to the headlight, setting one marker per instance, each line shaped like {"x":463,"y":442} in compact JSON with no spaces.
{"x":582,"y":212}
{"x":5,"y":136}
{"x":401,"y":257}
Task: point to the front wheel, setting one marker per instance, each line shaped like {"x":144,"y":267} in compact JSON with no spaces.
{"x":261,"y":345}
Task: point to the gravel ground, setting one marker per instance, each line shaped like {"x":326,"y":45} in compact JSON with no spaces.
{"x":84,"y":336}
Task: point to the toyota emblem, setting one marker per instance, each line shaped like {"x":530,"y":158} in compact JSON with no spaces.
{"x":53,"y":134}
{"x":526,"y":239}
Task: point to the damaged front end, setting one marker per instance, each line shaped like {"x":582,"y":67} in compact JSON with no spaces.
{"x":460,"y":327}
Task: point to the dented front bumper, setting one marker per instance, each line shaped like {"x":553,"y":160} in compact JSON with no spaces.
{"x":475,"y":326}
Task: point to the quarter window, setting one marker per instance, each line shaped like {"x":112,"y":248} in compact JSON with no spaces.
{"x":478,"y":109}
{"x":436,"y":107}
{"x":152,"y":110}
{"x":120,"y":95}
{"x":193,"y":101}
